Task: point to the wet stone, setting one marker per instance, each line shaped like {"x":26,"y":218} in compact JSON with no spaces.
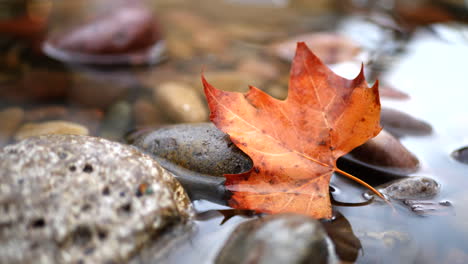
{"x":387,"y":152}
{"x":122,"y":31}
{"x":50,"y":127}
{"x":73,"y":199}
{"x":400,"y":124}
{"x":413,"y":188}
{"x":284,"y":238}
{"x":198,"y":147}
{"x":181,"y":102}
{"x":461,"y":155}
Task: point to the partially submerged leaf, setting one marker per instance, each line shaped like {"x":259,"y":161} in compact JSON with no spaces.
{"x":295,"y":143}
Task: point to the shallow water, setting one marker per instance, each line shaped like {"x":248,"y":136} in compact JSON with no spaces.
{"x":431,"y":70}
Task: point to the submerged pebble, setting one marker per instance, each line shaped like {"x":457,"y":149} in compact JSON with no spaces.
{"x":284,"y":238}
{"x":388,"y":246}
{"x":79,"y":199}
{"x":50,"y":127}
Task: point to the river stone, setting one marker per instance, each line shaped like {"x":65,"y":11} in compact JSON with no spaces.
{"x":198,"y":147}
{"x":386,"y":151}
{"x":79,"y":199}
{"x":416,"y":187}
{"x":50,"y":127}
{"x":180,"y":102}
{"x":285,"y":238}
{"x":400,"y":124}
{"x":461,"y":155}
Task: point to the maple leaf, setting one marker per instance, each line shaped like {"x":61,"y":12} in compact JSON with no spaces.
{"x":294,"y":144}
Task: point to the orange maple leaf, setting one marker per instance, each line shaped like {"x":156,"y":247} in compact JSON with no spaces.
{"x":295,"y":143}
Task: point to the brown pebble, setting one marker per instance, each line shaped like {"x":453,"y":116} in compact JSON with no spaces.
{"x":146,"y":114}
{"x":50,"y":127}
{"x":180,"y":102}
{"x":400,"y":124}
{"x":386,"y":151}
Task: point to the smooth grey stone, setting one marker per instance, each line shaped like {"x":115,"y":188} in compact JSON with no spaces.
{"x":284,"y":238}
{"x":198,"y":154}
{"x":413,"y":188}
{"x":198,"y":147}
{"x":80,"y":199}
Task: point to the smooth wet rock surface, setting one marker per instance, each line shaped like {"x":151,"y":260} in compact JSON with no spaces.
{"x":79,"y":199}
{"x":198,"y":147}
{"x":181,"y":102}
{"x":415,"y":187}
{"x":286,"y":238}
{"x":386,"y":151}
{"x":400,"y":124}
{"x":461,"y":155}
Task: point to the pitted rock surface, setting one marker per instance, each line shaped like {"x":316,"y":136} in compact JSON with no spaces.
{"x":79,"y":199}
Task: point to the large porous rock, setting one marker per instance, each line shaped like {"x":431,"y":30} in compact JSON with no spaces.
{"x":79,"y":199}
{"x":286,"y":238}
{"x":198,"y":147}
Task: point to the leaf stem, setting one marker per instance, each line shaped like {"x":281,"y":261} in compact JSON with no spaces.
{"x":363,"y":183}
